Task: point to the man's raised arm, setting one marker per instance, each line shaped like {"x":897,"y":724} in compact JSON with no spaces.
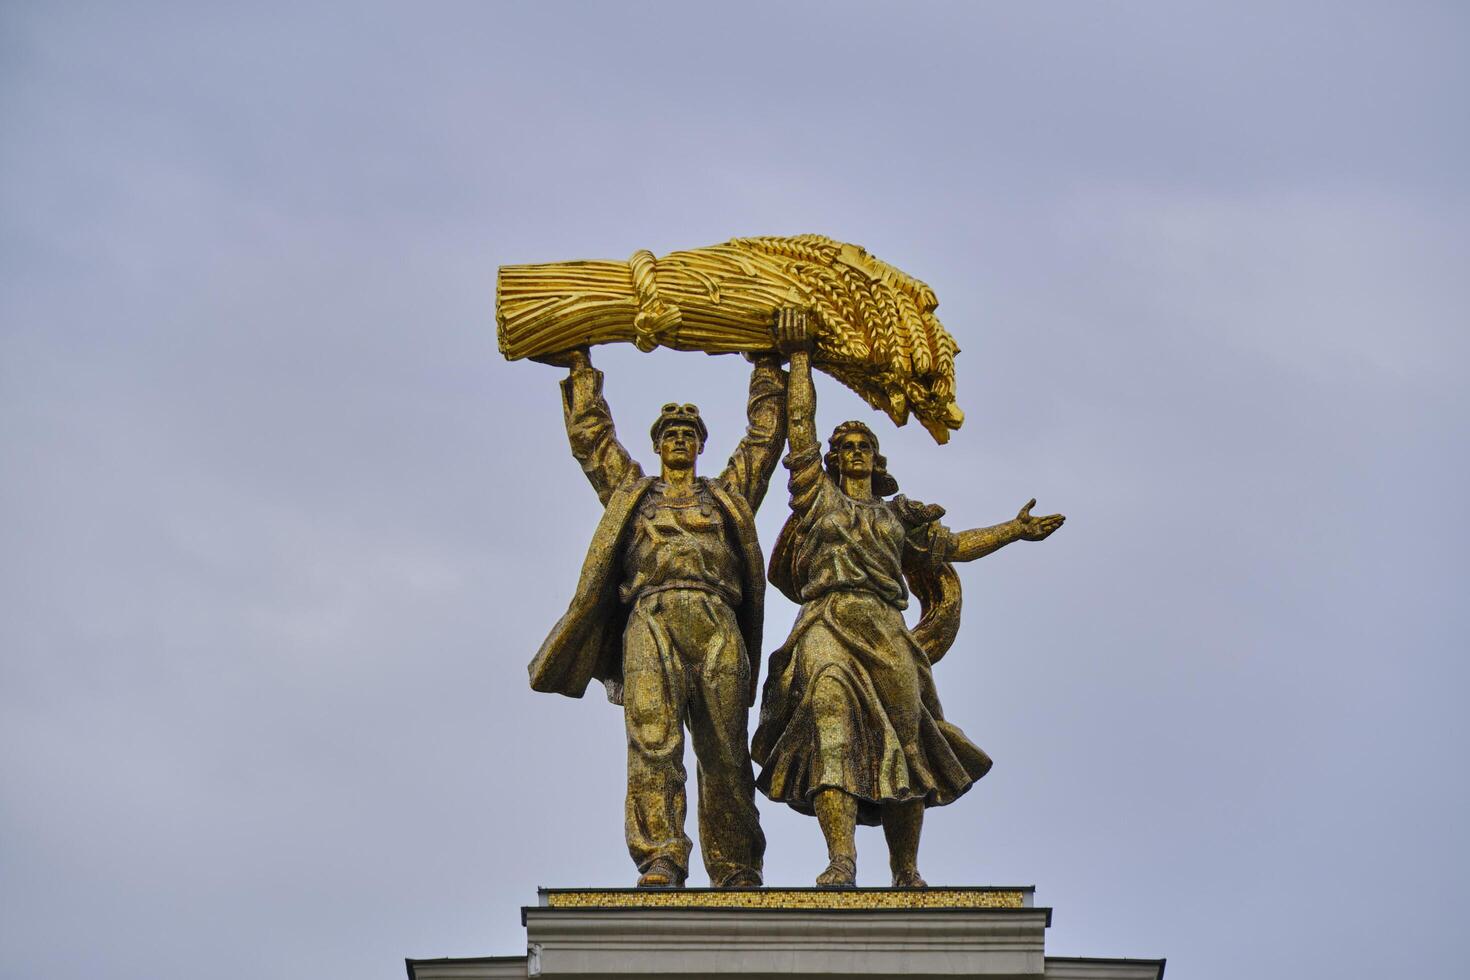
{"x":749,"y":471}
{"x":590,"y":426}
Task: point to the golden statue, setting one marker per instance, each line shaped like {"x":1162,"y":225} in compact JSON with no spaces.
{"x":668,"y":609}
{"x":667,"y":614}
{"x":875,"y":327}
{"x":850,"y":725}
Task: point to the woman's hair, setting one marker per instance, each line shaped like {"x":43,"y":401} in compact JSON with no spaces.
{"x":883,"y":483}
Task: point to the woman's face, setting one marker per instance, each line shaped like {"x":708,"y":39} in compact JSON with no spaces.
{"x":855,"y":453}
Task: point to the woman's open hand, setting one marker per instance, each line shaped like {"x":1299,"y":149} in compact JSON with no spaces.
{"x":1036,"y":528}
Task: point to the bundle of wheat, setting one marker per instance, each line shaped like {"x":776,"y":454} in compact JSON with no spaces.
{"x":876,"y":333}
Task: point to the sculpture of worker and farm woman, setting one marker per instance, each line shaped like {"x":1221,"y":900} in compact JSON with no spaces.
{"x":668,"y":608}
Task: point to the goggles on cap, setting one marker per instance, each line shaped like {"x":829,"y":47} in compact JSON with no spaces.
{"x":674,"y":412}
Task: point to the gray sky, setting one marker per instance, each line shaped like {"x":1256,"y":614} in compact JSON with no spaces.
{"x":280,"y":529}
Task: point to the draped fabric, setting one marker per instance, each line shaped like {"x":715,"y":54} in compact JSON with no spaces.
{"x":849,"y":700}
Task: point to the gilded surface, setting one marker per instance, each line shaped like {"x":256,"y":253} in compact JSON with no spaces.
{"x":851,"y":729}
{"x":668,"y":609}
{"x":667,"y":615}
{"x":777,"y":898}
{"x":875,"y":328}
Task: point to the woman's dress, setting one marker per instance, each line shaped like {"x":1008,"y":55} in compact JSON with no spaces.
{"x":849,"y":702}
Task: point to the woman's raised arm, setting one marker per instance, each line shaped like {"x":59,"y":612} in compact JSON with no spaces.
{"x":794,"y":339}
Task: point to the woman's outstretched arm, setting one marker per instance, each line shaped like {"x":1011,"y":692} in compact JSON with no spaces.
{"x":981,"y":541}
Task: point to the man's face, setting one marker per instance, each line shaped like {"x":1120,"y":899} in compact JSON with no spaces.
{"x":678,"y":445}
{"x":855,"y":455}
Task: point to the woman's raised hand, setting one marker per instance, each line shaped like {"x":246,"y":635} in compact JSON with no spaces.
{"x":793,"y":331}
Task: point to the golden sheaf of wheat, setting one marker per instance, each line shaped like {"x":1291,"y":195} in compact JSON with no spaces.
{"x":876,"y":329}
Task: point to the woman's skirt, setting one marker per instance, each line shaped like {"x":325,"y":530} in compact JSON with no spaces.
{"x":850,"y":704}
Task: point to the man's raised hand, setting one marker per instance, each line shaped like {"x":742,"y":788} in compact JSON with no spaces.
{"x":577,"y":357}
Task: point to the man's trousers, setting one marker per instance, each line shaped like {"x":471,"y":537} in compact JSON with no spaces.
{"x":684,"y":661}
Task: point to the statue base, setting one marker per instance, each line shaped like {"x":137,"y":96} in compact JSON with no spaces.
{"x":673,"y":934}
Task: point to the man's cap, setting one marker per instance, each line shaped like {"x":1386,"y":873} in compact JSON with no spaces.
{"x":674,"y":412}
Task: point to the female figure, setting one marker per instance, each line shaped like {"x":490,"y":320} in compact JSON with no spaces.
{"x":850,"y":726}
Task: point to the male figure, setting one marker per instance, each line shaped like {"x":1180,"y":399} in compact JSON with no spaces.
{"x":668,"y":616}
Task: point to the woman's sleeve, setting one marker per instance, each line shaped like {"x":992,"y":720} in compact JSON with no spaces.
{"x":927,"y":539}
{"x":811,"y":488}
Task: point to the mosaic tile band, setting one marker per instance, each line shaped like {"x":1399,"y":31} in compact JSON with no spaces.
{"x":777,"y":898}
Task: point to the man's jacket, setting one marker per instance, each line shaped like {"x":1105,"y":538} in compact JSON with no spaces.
{"x":587,"y":642}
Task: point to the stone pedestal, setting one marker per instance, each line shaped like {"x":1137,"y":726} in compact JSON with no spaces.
{"x":757,"y":933}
